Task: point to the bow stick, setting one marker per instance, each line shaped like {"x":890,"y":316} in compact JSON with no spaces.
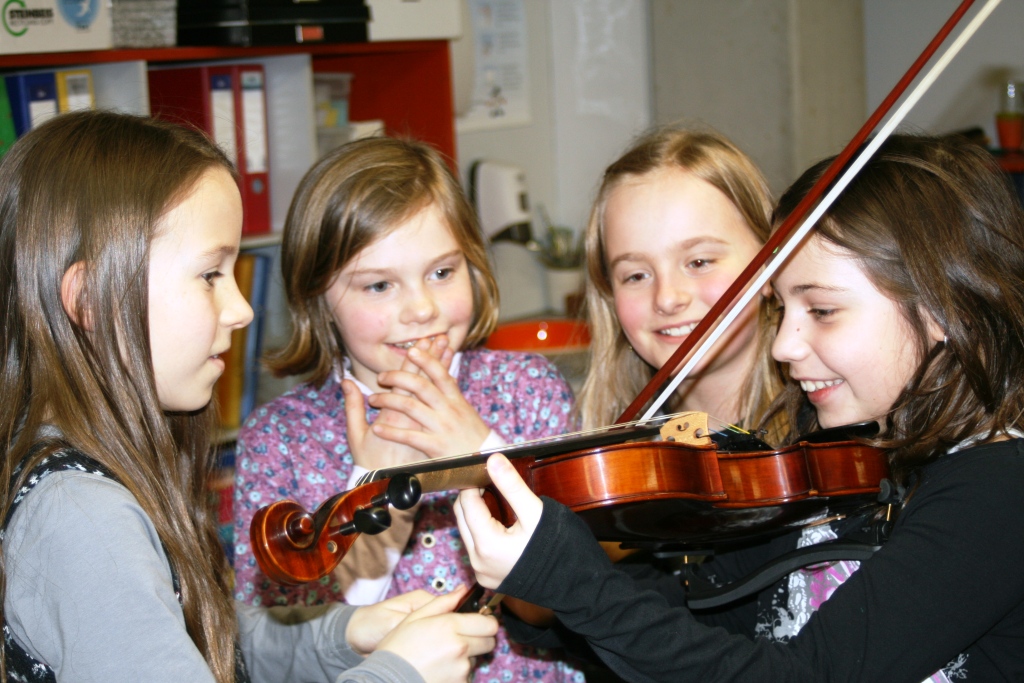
{"x":784,"y":240}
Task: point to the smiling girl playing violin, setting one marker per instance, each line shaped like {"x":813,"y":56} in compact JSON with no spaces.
{"x":906,"y":306}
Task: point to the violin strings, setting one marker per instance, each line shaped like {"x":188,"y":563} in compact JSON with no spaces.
{"x":507,"y":449}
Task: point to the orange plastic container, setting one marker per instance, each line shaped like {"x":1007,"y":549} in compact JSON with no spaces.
{"x":544,"y":336}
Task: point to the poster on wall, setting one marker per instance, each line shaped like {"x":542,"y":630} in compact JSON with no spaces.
{"x":501,"y":87}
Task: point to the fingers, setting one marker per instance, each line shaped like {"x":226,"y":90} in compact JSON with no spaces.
{"x":440,"y":604}
{"x":446,"y":359}
{"x":409,"y":602}
{"x":483,"y":535}
{"x":470,"y":511}
{"x":527,"y":506}
{"x":430,"y":374}
{"x":439,"y":348}
{"x":438,"y":643}
{"x":433,"y":368}
{"x":408,"y":365}
{"x":411,"y":407}
{"x":355,"y":413}
{"x":494,"y":549}
{"x":412,"y":438}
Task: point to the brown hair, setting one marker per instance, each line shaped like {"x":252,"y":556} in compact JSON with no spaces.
{"x":617,"y":373}
{"x":352,"y":197}
{"x":936,"y":227}
{"x":91,"y":187}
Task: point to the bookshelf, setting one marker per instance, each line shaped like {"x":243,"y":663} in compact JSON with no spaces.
{"x":407,"y":84}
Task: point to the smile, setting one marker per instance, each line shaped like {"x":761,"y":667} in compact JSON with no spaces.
{"x":409,"y":344}
{"x":818,"y":385}
{"x":678,"y":331}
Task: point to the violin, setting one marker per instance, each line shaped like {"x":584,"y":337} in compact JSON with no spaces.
{"x":691,"y":488}
{"x":684,"y":488}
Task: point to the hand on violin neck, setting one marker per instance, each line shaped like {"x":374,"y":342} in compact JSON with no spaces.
{"x":430,"y":398}
{"x":494,"y":549}
{"x":439,"y":643}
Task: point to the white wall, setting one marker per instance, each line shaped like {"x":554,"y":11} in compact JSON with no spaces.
{"x":895,"y":33}
{"x":601,"y":86}
{"x":589,"y":95}
{"x":530,"y":147}
{"x":784,"y":79}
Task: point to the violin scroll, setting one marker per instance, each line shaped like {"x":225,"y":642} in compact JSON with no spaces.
{"x":293,"y":546}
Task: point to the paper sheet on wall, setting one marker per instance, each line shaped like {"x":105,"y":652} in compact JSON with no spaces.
{"x":501,"y":88}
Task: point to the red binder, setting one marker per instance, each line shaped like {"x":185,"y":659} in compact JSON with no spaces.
{"x":228,"y":102}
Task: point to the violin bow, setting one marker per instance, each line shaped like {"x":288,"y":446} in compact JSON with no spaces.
{"x":787,"y":237}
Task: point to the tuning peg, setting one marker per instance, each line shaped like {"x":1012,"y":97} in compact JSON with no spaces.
{"x":371,"y":520}
{"x":404,"y":491}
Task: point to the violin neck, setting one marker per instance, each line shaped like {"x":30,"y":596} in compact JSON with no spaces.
{"x":467,"y":468}
{"x":471,"y":476}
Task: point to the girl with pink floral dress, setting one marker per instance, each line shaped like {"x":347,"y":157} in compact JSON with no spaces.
{"x":391,"y":297}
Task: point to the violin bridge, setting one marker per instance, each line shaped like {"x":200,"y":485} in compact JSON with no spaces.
{"x":688,"y":428}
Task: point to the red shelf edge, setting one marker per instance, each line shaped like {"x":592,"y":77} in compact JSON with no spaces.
{"x":183,"y":54}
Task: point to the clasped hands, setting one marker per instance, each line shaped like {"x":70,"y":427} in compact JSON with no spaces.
{"x":423,"y":415}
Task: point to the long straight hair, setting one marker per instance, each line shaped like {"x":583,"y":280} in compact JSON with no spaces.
{"x":92,"y":188}
{"x":936,"y":227}
{"x":617,"y":374}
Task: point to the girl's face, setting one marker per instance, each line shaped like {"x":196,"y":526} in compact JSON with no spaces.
{"x":194,"y":302}
{"x":847,"y":344}
{"x":410,"y":284}
{"x":673,"y":244}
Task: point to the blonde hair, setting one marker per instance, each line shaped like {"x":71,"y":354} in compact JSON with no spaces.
{"x":617,"y":374}
{"x":92,"y":188}
{"x":351,"y":198}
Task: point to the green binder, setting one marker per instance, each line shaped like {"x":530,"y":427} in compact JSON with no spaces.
{"x":7,"y":135}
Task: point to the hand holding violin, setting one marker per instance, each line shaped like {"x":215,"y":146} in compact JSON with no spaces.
{"x":493,"y":548}
{"x":439,"y":643}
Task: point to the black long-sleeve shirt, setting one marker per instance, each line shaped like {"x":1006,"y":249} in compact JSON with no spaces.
{"x":948,"y":587}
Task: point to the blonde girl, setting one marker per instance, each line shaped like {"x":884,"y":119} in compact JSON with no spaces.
{"x":676,"y":219}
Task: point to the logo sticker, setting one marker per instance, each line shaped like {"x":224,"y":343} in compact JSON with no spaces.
{"x":17,"y":17}
{"x":79,"y":13}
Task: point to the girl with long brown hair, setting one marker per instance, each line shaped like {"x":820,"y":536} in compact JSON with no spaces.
{"x":118,"y":237}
